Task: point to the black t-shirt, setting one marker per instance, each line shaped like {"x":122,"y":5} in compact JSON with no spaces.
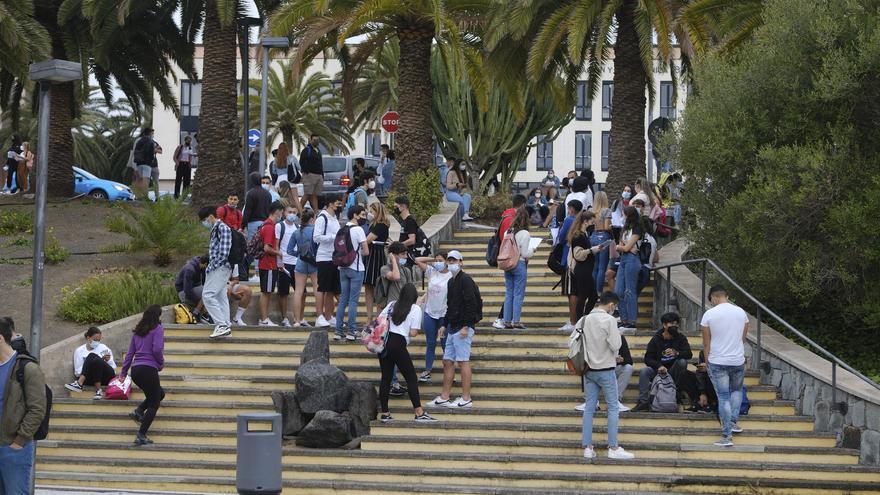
{"x":381,"y":232}
{"x":310,"y":161}
{"x":409,"y":226}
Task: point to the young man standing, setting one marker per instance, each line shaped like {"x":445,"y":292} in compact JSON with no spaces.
{"x":268,"y":264}
{"x":21,"y":410}
{"x":183,"y":166}
{"x":312,"y":172}
{"x":286,"y":262}
{"x":409,"y":228}
{"x":725,"y":328}
{"x":351,"y":277}
{"x":326,"y":227}
{"x":217,"y":272}
{"x":229,"y":213}
{"x":464,"y":310}
{"x":601,"y":345}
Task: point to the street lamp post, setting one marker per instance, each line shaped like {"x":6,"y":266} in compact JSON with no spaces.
{"x":244,"y":47}
{"x":45,"y":73}
{"x":266,"y":43}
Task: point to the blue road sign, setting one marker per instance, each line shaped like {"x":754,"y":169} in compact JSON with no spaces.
{"x":253,"y":137}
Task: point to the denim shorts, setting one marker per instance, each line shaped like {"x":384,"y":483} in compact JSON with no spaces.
{"x":305,"y":268}
{"x":458,"y":348}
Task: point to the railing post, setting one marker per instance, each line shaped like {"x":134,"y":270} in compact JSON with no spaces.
{"x":668,"y":288}
{"x":756,"y":363}
{"x":703,"y":291}
{"x":833,"y":385}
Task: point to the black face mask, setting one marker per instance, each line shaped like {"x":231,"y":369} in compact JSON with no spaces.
{"x":396,"y":210}
{"x":673,"y":330}
{"x":19,"y":345}
{"x":362,"y":221}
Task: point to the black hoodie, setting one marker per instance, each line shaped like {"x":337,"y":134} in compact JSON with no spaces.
{"x":256,"y":202}
{"x":657,"y":345}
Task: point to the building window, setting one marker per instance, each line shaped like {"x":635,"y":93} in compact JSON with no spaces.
{"x":584,"y":108}
{"x":190,"y":98}
{"x":606,"y":145}
{"x":667,"y":104}
{"x":582,"y":150}
{"x":545,"y":153}
{"x":607,"y":97}
{"x":374,"y":143}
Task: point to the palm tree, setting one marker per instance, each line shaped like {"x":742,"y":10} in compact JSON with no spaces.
{"x":22,"y":41}
{"x":319,"y":25}
{"x":374,"y":88}
{"x":298,"y":106}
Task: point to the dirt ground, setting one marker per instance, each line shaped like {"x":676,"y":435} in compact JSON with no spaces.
{"x":79,"y":227}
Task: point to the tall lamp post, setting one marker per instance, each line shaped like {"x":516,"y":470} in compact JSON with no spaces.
{"x":245,"y":25}
{"x":45,"y":74}
{"x":266,"y":43}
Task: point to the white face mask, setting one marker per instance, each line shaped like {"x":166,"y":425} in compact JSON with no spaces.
{"x":372,"y":184}
{"x":462,"y":167}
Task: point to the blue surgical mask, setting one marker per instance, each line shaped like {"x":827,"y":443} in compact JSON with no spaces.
{"x":401,"y":261}
{"x":454,"y":269}
{"x":207,"y":224}
{"x":626,"y":194}
{"x":292,"y":218}
{"x":265,"y":186}
{"x":439,"y":265}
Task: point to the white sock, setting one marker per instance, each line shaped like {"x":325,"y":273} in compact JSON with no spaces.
{"x":239,"y":313}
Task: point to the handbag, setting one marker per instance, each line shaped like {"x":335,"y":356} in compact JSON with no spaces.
{"x":118,"y":389}
{"x":375,"y":335}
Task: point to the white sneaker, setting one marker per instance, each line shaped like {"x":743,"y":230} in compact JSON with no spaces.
{"x":466,"y":218}
{"x":589,"y":453}
{"x":499,"y":324}
{"x":464,"y":404}
{"x":567,"y":327}
{"x":736,"y":428}
{"x":440,"y":402}
{"x":619,"y":453}
{"x":267,"y":323}
{"x":337,"y":337}
{"x":221,"y":331}
{"x":724,"y":442}
{"x":255,"y":279}
{"x":239,"y":322}
{"x":304,"y":323}
{"x":622,"y":408}
{"x":285,"y":323}
{"x":99,"y":394}
{"x":322,"y":322}
{"x":332,"y":321}
{"x":580,"y":407}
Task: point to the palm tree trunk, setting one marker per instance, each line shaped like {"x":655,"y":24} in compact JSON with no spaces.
{"x":414,"y":140}
{"x":626,"y":158}
{"x":60,"y":178}
{"x":220,"y":169}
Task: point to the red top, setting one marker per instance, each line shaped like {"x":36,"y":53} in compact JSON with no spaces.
{"x":506,"y":221}
{"x":267,"y":234}
{"x":230,"y":216}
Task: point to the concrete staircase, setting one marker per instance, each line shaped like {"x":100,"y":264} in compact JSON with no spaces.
{"x":522,"y":436}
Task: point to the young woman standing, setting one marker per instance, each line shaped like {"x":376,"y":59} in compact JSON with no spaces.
{"x":303,"y":270}
{"x":630,"y":265}
{"x":405,"y":319}
{"x":434,"y":302}
{"x":601,"y":233}
{"x":581,"y":262}
{"x":146,"y":358}
{"x":515,"y":279}
{"x":376,"y":239}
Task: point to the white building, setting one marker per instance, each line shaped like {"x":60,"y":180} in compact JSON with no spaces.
{"x":583,"y":143}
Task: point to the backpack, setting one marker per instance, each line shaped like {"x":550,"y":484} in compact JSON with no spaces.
{"x":238,"y":249}
{"x":380,"y":291}
{"x":645,"y":250}
{"x":344,"y":254}
{"x":255,"y":246}
{"x":665,"y":394}
{"x":140,"y":152}
{"x":660,"y":224}
{"x":745,"y":405}
{"x":577,"y":350}
{"x":43,"y":431}
{"x":508,"y":253}
{"x":326,"y":224}
{"x":352,"y":199}
{"x":494,"y":245}
{"x":305,"y":248}
{"x":422,"y":246}
{"x":554,"y":261}
{"x":182,"y":315}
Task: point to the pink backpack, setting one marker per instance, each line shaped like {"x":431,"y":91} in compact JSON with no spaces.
{"x":508,"y":253}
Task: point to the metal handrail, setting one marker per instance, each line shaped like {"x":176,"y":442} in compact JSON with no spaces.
{"x":835,"y":361}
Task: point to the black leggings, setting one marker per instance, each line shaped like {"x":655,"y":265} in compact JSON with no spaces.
{"x":95,"y":369}
{"x":585,"y":287}
{"x":396,"y":355}
{"x":147,"y":379}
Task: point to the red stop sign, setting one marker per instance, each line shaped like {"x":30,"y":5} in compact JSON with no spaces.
{"x":391,"y":121}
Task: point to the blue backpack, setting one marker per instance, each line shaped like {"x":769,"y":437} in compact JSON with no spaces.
{"x":301,"y":245}
{"x":352,"y":198}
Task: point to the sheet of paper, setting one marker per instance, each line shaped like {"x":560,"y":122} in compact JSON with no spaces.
{"x":534,"y":242}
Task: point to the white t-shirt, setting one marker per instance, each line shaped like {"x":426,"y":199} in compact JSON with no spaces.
{"x":283,"y":242}
{"x":82,"y":352}
{"x":413,"y":321}
{"x":435,"y":304}
{"x":185,"y":154}
{"x":325,"y":240}
{"x":726,"y":322}
{"x":357,"y":235}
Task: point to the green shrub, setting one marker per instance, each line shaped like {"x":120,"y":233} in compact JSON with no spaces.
{"x":163,"y":228}
{"x":109,"y":297}
{"x":489,"y":208}
{"x":424,"y":195}
{"x":16,"y":222}
{"x":53,"y":251}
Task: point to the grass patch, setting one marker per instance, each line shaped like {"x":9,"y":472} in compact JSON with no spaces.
{"x":53,"y":251}
{"x":25,"y":282}
{"x":108,"y":297}
{"x":16,"y":222}
{"x":17,"y":241}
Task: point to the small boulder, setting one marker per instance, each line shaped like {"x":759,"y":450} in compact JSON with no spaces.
{"x":318,"y":346}
{"x":320,"y":386}
{"x":293,"y":420}
{"x":327,"y":430}
{"x":363,"y":406}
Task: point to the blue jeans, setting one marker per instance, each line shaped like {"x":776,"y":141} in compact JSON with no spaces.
{"x":515,"y":293}
{"x":625,"y":287}
{"x":601,"y":263}
{"x":464,"y":199}
{"x":728,"y":383}
{"x":430,"y":326}
{"x":607,"y":381}
{"x":15,"y":469}
{"x":351,"y":282}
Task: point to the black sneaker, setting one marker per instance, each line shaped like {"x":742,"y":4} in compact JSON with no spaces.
{"x":386,"y":418}
{"x":425,"y":418}
{"x":141,"y":440}
{"x":642,"y":406}
{"x":206,"y":318}
{"x":136,"y":416}
{"x":398,"y":391}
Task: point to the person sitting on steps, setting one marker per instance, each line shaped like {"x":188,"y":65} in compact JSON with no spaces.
{"x":92,"y":364}
{"x":668,"y":352}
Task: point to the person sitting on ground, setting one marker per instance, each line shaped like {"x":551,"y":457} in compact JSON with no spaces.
{"x":551,"y":177}
{"x":239,"y":295}
{"x":708,"y":399}
{"x":92,"y":364}
{"x":668,"y":352}
{"x":624,"y":372}
{"x":457,"y":189}
{"x":190,"y":282}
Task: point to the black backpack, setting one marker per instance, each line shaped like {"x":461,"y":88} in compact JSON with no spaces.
{"x":554,"y":261}
{"x":422,"y":246}
{"x":43,"y":431}
{"x":494,"y":246}
{"x":238,"y":249}
{"x":140,"y":152}
{"x":644,"y":251}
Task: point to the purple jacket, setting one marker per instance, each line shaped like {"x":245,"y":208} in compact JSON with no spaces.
{"x":146,"y":351}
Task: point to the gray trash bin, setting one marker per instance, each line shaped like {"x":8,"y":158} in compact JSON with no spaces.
{"x":258,"y":459}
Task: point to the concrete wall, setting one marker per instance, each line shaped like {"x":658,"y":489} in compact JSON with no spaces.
{"x":800,"y":375}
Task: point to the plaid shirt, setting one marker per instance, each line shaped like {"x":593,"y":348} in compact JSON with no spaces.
{"x":218,"y":249}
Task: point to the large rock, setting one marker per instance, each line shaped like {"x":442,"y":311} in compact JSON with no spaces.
{"x":851,"y":438}
{"x":363,"y":406}
{"x":870,"y":451}
{"x":318,"y":346}
{"x":328,"y":429}
{"x":293,"y":420}
{"x":320,"y":386}
{"x":822,"y":416}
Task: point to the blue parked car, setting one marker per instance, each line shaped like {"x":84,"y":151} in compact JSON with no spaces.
{"x":88,"y":184}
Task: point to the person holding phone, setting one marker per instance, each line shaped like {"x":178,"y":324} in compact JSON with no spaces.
{"x":93,"y":364}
